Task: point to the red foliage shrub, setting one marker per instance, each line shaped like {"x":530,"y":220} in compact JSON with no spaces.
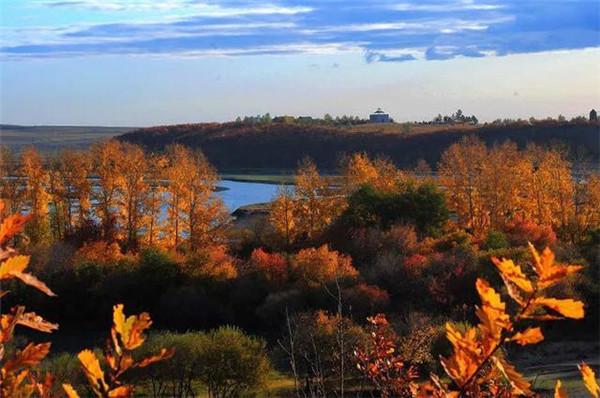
{"x":273,"y":266}
{"x":520,"y":231}
{"x":366,"y":299}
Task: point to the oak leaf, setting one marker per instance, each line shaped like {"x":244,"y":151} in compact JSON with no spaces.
{"x":559,"y":391}
{"x":568,"y":308}
{"x":70,"y":391}
{"x":548,"y":272}
{"x":528,"y":336}
{"x":92,"y":370}
{"x":516,"y":380}
{"x":589,"y":379}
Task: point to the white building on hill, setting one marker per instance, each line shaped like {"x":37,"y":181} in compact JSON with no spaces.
{"x":379,"y":116}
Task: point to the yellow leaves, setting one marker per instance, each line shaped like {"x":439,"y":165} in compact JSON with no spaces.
{"x":126,"y":335}
{"x":559,"y":391}
{"x":162,"y":355}
{"x":92,"y":370}
{"x":12,"y":225}
{"x":30,"y":356}
{"x":529,"y":336}
{"x":568,"y":308}
{"x":548,"y":272}
{"x":14,"y":267}
{"x":512,"y":272}
{"x":589,"y":379}
{"x":70,"y":391}
{"x":466,"y":357}
{"x":130,"y":329}
{"x":34,"y":321}
{"x":516,"y":380}
{"x":472,"y":351}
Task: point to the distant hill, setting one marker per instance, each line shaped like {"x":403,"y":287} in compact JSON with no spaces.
{"x":236,"y":146}
{"x":52,"y":138}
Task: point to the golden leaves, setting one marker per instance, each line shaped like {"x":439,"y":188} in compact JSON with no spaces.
{"x":516,"y":380}
{"x":14,"y":267}
{"x":93,"y":371}
{"x":559,"y":391}
{"x":512,"y":272}
{"x":126,"y":335}
{"x":12,"y":225}
{"x":477,"y":347}
{"x":528,"y":336}
{"x":548,"y":272}
{"x":30,"y":356}
{"x":70,"y":391}
{"x":589,"y":379}
{"x":568,"y":308}
{"x":130,"y":329}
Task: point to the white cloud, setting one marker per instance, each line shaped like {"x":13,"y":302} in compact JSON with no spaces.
{"x":196,"y":8}
{"x":453,"y":6}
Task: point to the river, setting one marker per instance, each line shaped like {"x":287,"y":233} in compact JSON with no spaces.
{"x":237,"y":194}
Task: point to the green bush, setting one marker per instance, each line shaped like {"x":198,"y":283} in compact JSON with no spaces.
{"x":174,"y":377}
{"x":495,"y":240}
{"x":423,"y":205}
{"x":232,"y":362}
{"x":227,"y":361}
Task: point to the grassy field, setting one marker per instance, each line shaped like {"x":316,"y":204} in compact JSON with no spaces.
{"x":48,"y":139}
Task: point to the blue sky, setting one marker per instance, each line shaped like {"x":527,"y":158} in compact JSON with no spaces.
{"x":143,"y":62}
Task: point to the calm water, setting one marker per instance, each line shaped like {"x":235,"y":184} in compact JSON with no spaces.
{"x":245,"y":193}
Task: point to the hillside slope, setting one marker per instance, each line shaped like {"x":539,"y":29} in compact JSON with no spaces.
{"x":52,"y":138}
{"x":233,"y":146}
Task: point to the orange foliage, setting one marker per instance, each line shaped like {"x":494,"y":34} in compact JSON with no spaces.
{"x":520,"y":231}
{"x":381,"y":174}
{"x":272,"y":265}
{"x":321,"y":265}
{"x":17,"y":374}
{"x":475,"y":365}
{"x":215,"y":263}
{"x":306,"y":212}
{"x":100,"y":252}
{"x":125,"y":336}
{"x":382,"y":365}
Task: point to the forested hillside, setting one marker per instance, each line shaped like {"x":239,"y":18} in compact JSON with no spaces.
{"x":235,"y":146}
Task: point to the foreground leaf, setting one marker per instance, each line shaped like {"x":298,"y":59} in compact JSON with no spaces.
{"x":568,"y":308}
{"x":70,"y":391}
{"x":528,"y":336}
{"x":516,"y":380}
{"x":92,"y":370}
{"x":560,"y":392}
{"x":589,"y":379}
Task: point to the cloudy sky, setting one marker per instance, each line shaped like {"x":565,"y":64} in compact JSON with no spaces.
{"x":144,"y":62}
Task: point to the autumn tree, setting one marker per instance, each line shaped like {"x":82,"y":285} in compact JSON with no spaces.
{"x":36,"y":193}
{"x":316,"y":266}
{"x":107,"y":160}
{"x":587,"y":203}
{"x":192,"y":208}
{"x":550,"y":186}
{"x":10,"y":184}
{"x":358,"y":170}
{"x":312,"y":207}
{"x":460,"y":171}
{"x":155,"y":198}
{"x":134,"y":186}
{"x":282,"y":214}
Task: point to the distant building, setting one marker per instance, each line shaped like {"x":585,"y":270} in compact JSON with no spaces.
{"x":593,"y":115}
{"x":379,"y":116}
